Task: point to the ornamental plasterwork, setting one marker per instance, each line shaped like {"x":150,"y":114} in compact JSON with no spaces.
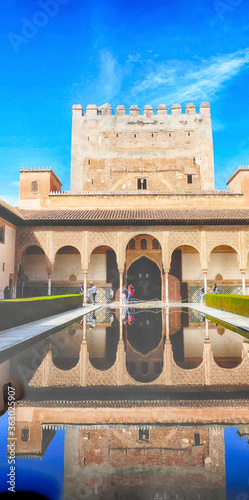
{"x":33,"y":237}
{"x":216,"y":238}
{"x":187,"y":237}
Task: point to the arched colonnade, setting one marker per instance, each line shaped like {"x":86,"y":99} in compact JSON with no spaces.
{"x":186,"y":259}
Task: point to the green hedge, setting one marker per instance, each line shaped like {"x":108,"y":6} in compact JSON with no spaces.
{"x":17,"y":312}
{"x":238,"y":304}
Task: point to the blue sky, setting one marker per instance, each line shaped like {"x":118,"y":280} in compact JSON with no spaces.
{"x":56,"y":53}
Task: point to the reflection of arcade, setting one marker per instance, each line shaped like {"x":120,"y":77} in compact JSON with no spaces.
{"x":144,"y":344}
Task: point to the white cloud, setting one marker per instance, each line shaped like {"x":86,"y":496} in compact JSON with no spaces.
{"x":109,"y":76}
{"x":174,"y":81}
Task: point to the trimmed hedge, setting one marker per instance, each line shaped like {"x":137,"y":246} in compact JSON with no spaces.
{"x":238,"y":304}
{"x":16,"y":312}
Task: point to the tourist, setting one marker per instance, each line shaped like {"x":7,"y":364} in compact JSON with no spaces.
{"x":111,"y":294}
{"x":125,"y":294}
{"x":215,"y":288}
{"x":132,"y":292}
{"x":94,"y":291}
{"x":202,"y":294}
{"x":82,"y":289}
{"x":6,"y":292}
{"x":129,"y":292}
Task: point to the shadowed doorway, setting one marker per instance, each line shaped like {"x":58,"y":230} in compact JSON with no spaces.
{"x":145,"y":275}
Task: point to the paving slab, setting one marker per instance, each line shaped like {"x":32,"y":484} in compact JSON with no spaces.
{"x":23,"y":334}
{"x":233,"y":319}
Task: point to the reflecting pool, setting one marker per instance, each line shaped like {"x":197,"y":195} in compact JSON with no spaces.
{"x":129,"y":403}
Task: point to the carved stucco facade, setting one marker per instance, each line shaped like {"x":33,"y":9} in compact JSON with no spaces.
{"x":85,"y":240}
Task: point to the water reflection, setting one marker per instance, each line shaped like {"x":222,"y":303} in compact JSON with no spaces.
{"x":170,"y":348}
{"x":142,"y":396}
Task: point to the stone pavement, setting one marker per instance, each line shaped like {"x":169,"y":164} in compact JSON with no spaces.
{"x":41,"y":328}
{"x":228,"y":317}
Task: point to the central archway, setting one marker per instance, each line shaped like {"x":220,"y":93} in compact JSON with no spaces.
{"x":145,"y":275}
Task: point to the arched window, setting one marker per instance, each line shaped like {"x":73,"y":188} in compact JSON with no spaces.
{"x":155,"y":244}
{"x":143,"y":244}
{"x":131,"y":244}
{"x":141,"y":183}
{"x":34,"y":187}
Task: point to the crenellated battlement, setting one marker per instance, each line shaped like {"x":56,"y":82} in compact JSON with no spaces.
{"x":92,"y":110}
{"x":36,"y":169}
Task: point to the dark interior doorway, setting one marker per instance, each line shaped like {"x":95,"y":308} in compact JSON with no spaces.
{"x":145,"y":275}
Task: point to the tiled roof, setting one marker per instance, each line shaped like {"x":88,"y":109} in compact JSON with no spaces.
{"x":9,"y":213}
{"x":167,"y":216}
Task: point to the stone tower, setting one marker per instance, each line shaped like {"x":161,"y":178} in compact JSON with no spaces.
{"x":154,"y":152}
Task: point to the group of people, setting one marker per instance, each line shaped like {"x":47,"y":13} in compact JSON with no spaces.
{"x":128,"y":294}
{"x":215,"y":290}
{"x":92,"y":290}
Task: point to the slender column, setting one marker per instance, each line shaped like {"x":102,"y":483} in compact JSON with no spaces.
{"x":207,"y":356}
{"x":85,"y":287}
{"x":49,"y":283}
{"x":120,"y":284}
{"x":163,"y":287}
{"x":167,"y":323}
{"x":205,"y":281}
{"x":243,"y":282}
{"x":84,"y":328}
{"x":120,"y":326}
{"x":166,"y":287}
{"x":206,"y":331}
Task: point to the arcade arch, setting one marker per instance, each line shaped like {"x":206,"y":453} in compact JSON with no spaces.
{"x":67,"y":274}
{"x":32,"y":274}
{"x":185,"y":274}
{"x":223,"y":269}
{"x":143,"y":266}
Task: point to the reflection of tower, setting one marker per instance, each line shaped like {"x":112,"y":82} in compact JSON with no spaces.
{"x":106,"y":461}
{"x":216,"y":450}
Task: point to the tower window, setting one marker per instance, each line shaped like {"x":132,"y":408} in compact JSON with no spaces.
{"x":190,"y":178}
{"x":89,"y":161}
{"x":189,"y":134}
{"x":143,"y":435}
{"x":170,"y":134}
{"x":135,"y":135}
{"x":197,"y":439}
{"x":34,"y":187}
{"x":25,"y":434}
{"x":142,"y":184}
{"x":143,"y":244}
{"x":152,"y":135}
{"x":116,"y":135}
